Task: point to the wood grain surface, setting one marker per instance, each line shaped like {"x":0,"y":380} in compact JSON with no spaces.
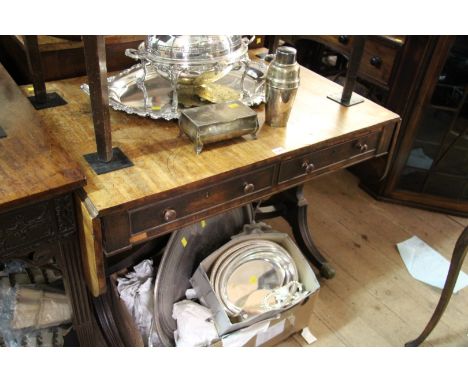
{"x":165,"y":162}
{"x":90,"y":239}
{"x":373,"y":300}
{"x":32,"y":165}
{"x":55,"y":43}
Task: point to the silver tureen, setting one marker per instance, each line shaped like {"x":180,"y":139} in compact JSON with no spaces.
{"x":191,"y":60}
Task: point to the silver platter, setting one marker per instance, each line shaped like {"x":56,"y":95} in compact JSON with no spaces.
{"x":244,"y":275}
{"x":150,"y":95}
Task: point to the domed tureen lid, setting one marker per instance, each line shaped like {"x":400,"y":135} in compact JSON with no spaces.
{"x":193,"y":48}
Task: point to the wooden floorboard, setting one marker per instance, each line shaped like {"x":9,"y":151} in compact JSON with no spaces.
{"x":462,"y":221}
{"x":373,"y":300}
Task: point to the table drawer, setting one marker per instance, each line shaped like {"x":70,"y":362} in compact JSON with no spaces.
{"x":377,"y":60}
{"x":351,"y":151}
{"x":341,"y":44}
{"x":171,"y":209}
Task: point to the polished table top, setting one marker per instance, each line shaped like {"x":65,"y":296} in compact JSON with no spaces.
{"x":32,"y":166}
{"x":163,"y":161}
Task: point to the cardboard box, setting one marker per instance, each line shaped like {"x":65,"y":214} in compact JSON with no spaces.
{"x":271,"y":326}
{"x":276,"y":330}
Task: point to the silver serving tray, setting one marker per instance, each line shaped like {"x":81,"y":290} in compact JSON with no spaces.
{"x":150,"y":95}
{"x":248,"y":268}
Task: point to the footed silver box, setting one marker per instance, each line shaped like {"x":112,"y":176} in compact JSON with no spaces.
{"x":218,"y":122}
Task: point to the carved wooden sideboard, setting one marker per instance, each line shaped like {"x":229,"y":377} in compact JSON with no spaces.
{"x":37,"y":209}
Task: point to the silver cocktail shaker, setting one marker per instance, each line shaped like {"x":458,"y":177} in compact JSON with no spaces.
{"x":282,"y":81}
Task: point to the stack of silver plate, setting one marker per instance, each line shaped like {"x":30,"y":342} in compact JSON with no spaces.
{"x":245,"y":276}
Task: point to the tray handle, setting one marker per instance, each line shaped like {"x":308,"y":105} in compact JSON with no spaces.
{"x":133,"y":53}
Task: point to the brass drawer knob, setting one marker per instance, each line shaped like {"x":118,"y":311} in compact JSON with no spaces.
{"x":308,"y":167}
{"x":376,"y":61}
{"x":362,"y":147}
{"x":169,"y":214}
{"x":248,"y":187}
{"x":343,"y":40}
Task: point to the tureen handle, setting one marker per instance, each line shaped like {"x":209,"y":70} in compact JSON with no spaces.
{"x":247,"y":40}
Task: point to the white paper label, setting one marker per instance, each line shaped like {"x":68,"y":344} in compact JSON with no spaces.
{"x":427,"y":265}
{"x":308,"y":336}
{"x":279,"y":150}
{"x":272,"y":332}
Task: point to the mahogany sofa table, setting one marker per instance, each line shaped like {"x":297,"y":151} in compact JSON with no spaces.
{"x":37,"y":211}
{"x":169,"y":186}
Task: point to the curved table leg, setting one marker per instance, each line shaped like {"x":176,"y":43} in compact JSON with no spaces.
{"x":296,"y":215}
{"x":105,"y":314}
{"x":458,"y":256}
{"x":292,"y":206}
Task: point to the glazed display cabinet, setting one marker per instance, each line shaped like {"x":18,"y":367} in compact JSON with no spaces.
{"x":424,"y":79}
{"x":433,"y":169}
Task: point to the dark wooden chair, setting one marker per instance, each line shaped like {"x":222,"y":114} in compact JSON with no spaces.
{"x":459,"y":253}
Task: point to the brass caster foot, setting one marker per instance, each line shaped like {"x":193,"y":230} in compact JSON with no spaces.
{"x":327,"y":271}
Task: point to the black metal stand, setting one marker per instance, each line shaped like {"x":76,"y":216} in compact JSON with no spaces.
{"x":347,"y":98}
{"x":272,"y":43}
{"x":118,"y":161}
{"x":52,"y":100}
{"x":41,"y":99}
{"x":106,"y":159}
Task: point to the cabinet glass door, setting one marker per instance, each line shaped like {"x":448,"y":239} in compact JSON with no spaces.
{"x":438,"y":161}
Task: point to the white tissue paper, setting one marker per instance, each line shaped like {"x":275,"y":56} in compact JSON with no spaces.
{"x":190,"y":294}
{"x":195,"y":326}
{"x":136,"y":290}
{"x":427,"y":265}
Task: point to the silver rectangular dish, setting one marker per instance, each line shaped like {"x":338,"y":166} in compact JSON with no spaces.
{"x":218,"y":122}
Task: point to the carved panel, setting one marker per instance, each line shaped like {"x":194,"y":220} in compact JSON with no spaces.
{"x":65,"y":213}
{"x":43,"y":232}
{"x":26,"y":226}
{"x":39,"y":254}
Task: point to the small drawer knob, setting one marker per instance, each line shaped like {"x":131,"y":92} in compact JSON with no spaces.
{"x":362,"y":147}
{"x":343,"y":40}
{"x":170,"y":214}
{"x":308,"y":167}
{"x":376,"y":61}
{"x":248,"y":187}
